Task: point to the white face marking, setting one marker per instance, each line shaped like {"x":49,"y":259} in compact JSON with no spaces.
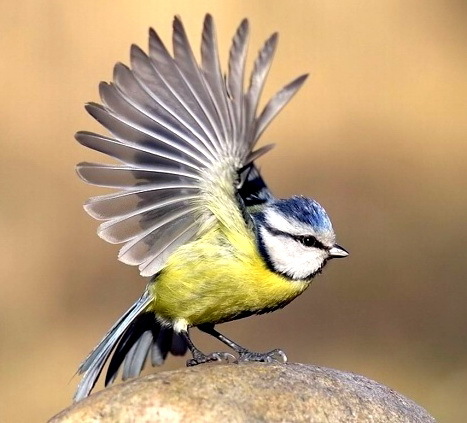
{"x":293,"y":227}
{"x":290,"y":257}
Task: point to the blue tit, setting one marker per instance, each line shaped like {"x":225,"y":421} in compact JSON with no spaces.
{"x":191,"y":208}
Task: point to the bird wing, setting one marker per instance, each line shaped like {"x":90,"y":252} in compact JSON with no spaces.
{"x":174,"y":124}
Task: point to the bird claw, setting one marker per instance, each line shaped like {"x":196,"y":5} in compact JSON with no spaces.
{"x":225,"y":357}
{"x":269,"y":357}
{"x":216,"y":356}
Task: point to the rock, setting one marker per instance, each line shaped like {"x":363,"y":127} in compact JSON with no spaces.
{"x":247,"y":392}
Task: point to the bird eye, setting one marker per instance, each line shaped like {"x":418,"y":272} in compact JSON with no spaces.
{"x":308,"y":241}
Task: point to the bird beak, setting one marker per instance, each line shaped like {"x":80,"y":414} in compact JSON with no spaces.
{"x":338,"y":252}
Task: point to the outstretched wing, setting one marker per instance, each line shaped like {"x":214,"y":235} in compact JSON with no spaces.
{"x":174,"y":124}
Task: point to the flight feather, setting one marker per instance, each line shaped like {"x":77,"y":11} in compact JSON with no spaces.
{"x":173,"y":123}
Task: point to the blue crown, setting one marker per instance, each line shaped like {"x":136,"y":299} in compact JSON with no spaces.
{"x":304,"y":210}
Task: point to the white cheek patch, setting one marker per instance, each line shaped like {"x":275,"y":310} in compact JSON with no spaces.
{"x":290,"y":257}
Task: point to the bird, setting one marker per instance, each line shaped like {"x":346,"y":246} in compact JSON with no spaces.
{"x":189,"y":203}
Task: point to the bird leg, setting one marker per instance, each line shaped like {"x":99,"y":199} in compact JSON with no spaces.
{"x":200,"y":358}
{"x":276,"y":355}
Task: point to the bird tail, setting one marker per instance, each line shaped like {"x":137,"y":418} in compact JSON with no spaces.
{"x":131,"y":340}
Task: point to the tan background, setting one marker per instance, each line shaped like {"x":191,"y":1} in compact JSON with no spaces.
{"x":377,"y":135}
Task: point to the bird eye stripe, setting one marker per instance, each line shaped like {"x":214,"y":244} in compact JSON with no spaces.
{"x":275,"y":231}
{"x":307,"y":240}
{"x":310,"y":241}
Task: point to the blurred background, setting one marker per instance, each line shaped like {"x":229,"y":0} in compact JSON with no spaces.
{"x":377,"y":135}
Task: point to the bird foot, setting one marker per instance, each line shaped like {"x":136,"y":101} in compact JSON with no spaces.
{"x":216,"y":356}
{"x":268,"y":357}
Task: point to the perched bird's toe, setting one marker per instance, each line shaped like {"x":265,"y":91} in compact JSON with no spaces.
{"x":226,"y":357}
{"x":216,"y":356}
{"x":273,"y":356}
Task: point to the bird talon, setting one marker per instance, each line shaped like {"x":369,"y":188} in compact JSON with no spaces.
{"x":269,"y":357}
{"x":219,"y":357}
{"x":226,"y":357}
{"x":280,"y":354}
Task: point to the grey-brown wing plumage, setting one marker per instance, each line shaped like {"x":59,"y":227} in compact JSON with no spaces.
{"x":171,"y":119}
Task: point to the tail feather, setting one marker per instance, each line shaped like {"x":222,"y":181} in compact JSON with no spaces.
{"x":134,"y":362}
{"x":127,"y":343}
{"x":145,"y":337}
{"x":135,"y":336}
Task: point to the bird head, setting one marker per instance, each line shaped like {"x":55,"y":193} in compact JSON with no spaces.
{"x":296,"y":238}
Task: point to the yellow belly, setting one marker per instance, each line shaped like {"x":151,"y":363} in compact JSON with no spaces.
{"x":210,"y":281}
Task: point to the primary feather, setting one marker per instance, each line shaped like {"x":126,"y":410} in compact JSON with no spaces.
{"x":175,"y":124}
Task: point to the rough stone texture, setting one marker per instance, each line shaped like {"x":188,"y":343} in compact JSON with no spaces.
{"x":248,"y":392}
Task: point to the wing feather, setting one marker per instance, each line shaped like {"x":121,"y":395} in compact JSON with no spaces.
{"x":213,"y":76}
{"x":130,"y":153}
{"x":125,"y":228}
{"x":276,"y":104}
{"x":126,"y":177}
{"x":257,"y":80}
{"x":112,"y":206}
{"x":164,"y":65}
{"x":236,"y":77}
{"x":157,"y":255}
{"x":163,"y":109}
{"x":189,"y":69}
{"x":183,"y":133}
{"x":137,"y":250}
{"x":124,"y":132}
{"x":117,"y":105}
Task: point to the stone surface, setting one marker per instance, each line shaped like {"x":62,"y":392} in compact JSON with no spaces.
{"x":247,"y":392}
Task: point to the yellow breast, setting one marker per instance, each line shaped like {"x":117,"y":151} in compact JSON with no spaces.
{"x":217,"y":279}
